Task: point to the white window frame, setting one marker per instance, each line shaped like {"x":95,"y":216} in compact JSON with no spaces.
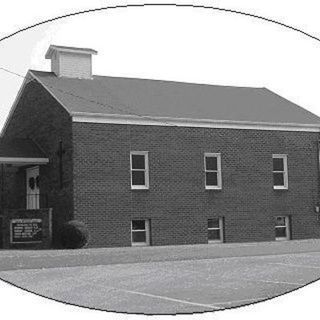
{"x":287,"y":226}
{"x":146,"y":170}
{"x":219,"y":176}
{"x":146,"y":229}
{"x":220,"y":229}
{"x":285,"y":171}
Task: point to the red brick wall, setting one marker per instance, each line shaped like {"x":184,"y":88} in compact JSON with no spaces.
{"x":177,"y":202}
{"x":40,"y":117}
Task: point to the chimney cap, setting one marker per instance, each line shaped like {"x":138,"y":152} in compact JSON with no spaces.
{"x":54,"y":48}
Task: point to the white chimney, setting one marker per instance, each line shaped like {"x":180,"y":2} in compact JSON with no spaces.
{"x":71,"y":62}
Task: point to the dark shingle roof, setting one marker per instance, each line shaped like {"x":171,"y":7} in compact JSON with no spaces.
{"x":19,"y":148}
{"x":173,"y":99}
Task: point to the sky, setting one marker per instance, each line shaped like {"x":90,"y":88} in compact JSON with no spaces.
{"x":174,"y":44}
{"x":181,"y":44}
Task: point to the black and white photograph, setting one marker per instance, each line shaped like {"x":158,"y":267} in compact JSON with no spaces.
{"x":160,"y":159}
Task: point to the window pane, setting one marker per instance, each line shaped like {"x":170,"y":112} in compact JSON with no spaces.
{"x":139,"y":236}
{"x":280,"y":221}
{"x":138,"y":224}
{"x":137,"y":161}
{"x":278,"y":164}
{"x":138,"y":178}
{"x":211,"y":178}
{"x":214,"y":235}
{"x":281,"y":232}
{"x":213,"y":223}
{"x":278,"y":179}
{"x":211,"y":163}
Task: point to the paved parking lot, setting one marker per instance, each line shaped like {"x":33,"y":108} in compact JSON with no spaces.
{"x":180,"y":285}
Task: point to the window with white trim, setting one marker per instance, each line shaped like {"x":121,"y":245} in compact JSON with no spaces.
{"x":215,"y":230}
{"x":212,"y":168}
{"x":140,"y":232}
{"x":280,"y":171}
{"x":139,"y":170}
{"x":282,"y":228}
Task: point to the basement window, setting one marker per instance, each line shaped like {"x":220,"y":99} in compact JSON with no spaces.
{"x":215,"y":230}
{"x":280,"y":172}
{"x":139,"y":170}
{"x":282,"y":228}
{"x":212,"y":168}
{"x":140,"y":232}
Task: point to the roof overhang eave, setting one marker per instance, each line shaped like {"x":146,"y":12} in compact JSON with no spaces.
{"x":54,"y":48}
{"x":188,"y":122}
{"x":23,"y":161}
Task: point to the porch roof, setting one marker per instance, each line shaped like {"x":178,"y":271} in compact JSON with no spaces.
{"x":21,"y":152}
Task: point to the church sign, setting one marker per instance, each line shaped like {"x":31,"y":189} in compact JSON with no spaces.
{"x":26,"y":230}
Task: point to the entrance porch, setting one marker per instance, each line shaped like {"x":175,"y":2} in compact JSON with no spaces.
{"x":25,"y":219}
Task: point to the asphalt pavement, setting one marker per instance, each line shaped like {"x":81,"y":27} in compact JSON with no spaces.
{"x":165,"y":280}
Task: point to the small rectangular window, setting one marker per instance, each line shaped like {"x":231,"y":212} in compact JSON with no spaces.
{"x":139,"y":170}
{"x":212,"y":168}
{"x":282,"y":228}
{"x":140,"y":234}
{"x":215,"y":230}
{"x":280,"y":171}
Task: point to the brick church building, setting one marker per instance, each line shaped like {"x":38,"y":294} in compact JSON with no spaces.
{"x":148,"y":162}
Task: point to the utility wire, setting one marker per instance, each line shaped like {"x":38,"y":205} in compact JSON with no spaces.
{"x":126,"y":110}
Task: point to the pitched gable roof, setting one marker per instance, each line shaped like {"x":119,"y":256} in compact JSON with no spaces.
{"x":156,"y":102}
{"x":155,"y":98}
{"x":54,"y":48}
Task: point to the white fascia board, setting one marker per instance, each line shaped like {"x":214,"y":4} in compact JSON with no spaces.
{"x":18,"y":160}
{"x":186,"y":122}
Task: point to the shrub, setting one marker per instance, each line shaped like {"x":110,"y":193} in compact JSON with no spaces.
{"x":74,"y":235}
